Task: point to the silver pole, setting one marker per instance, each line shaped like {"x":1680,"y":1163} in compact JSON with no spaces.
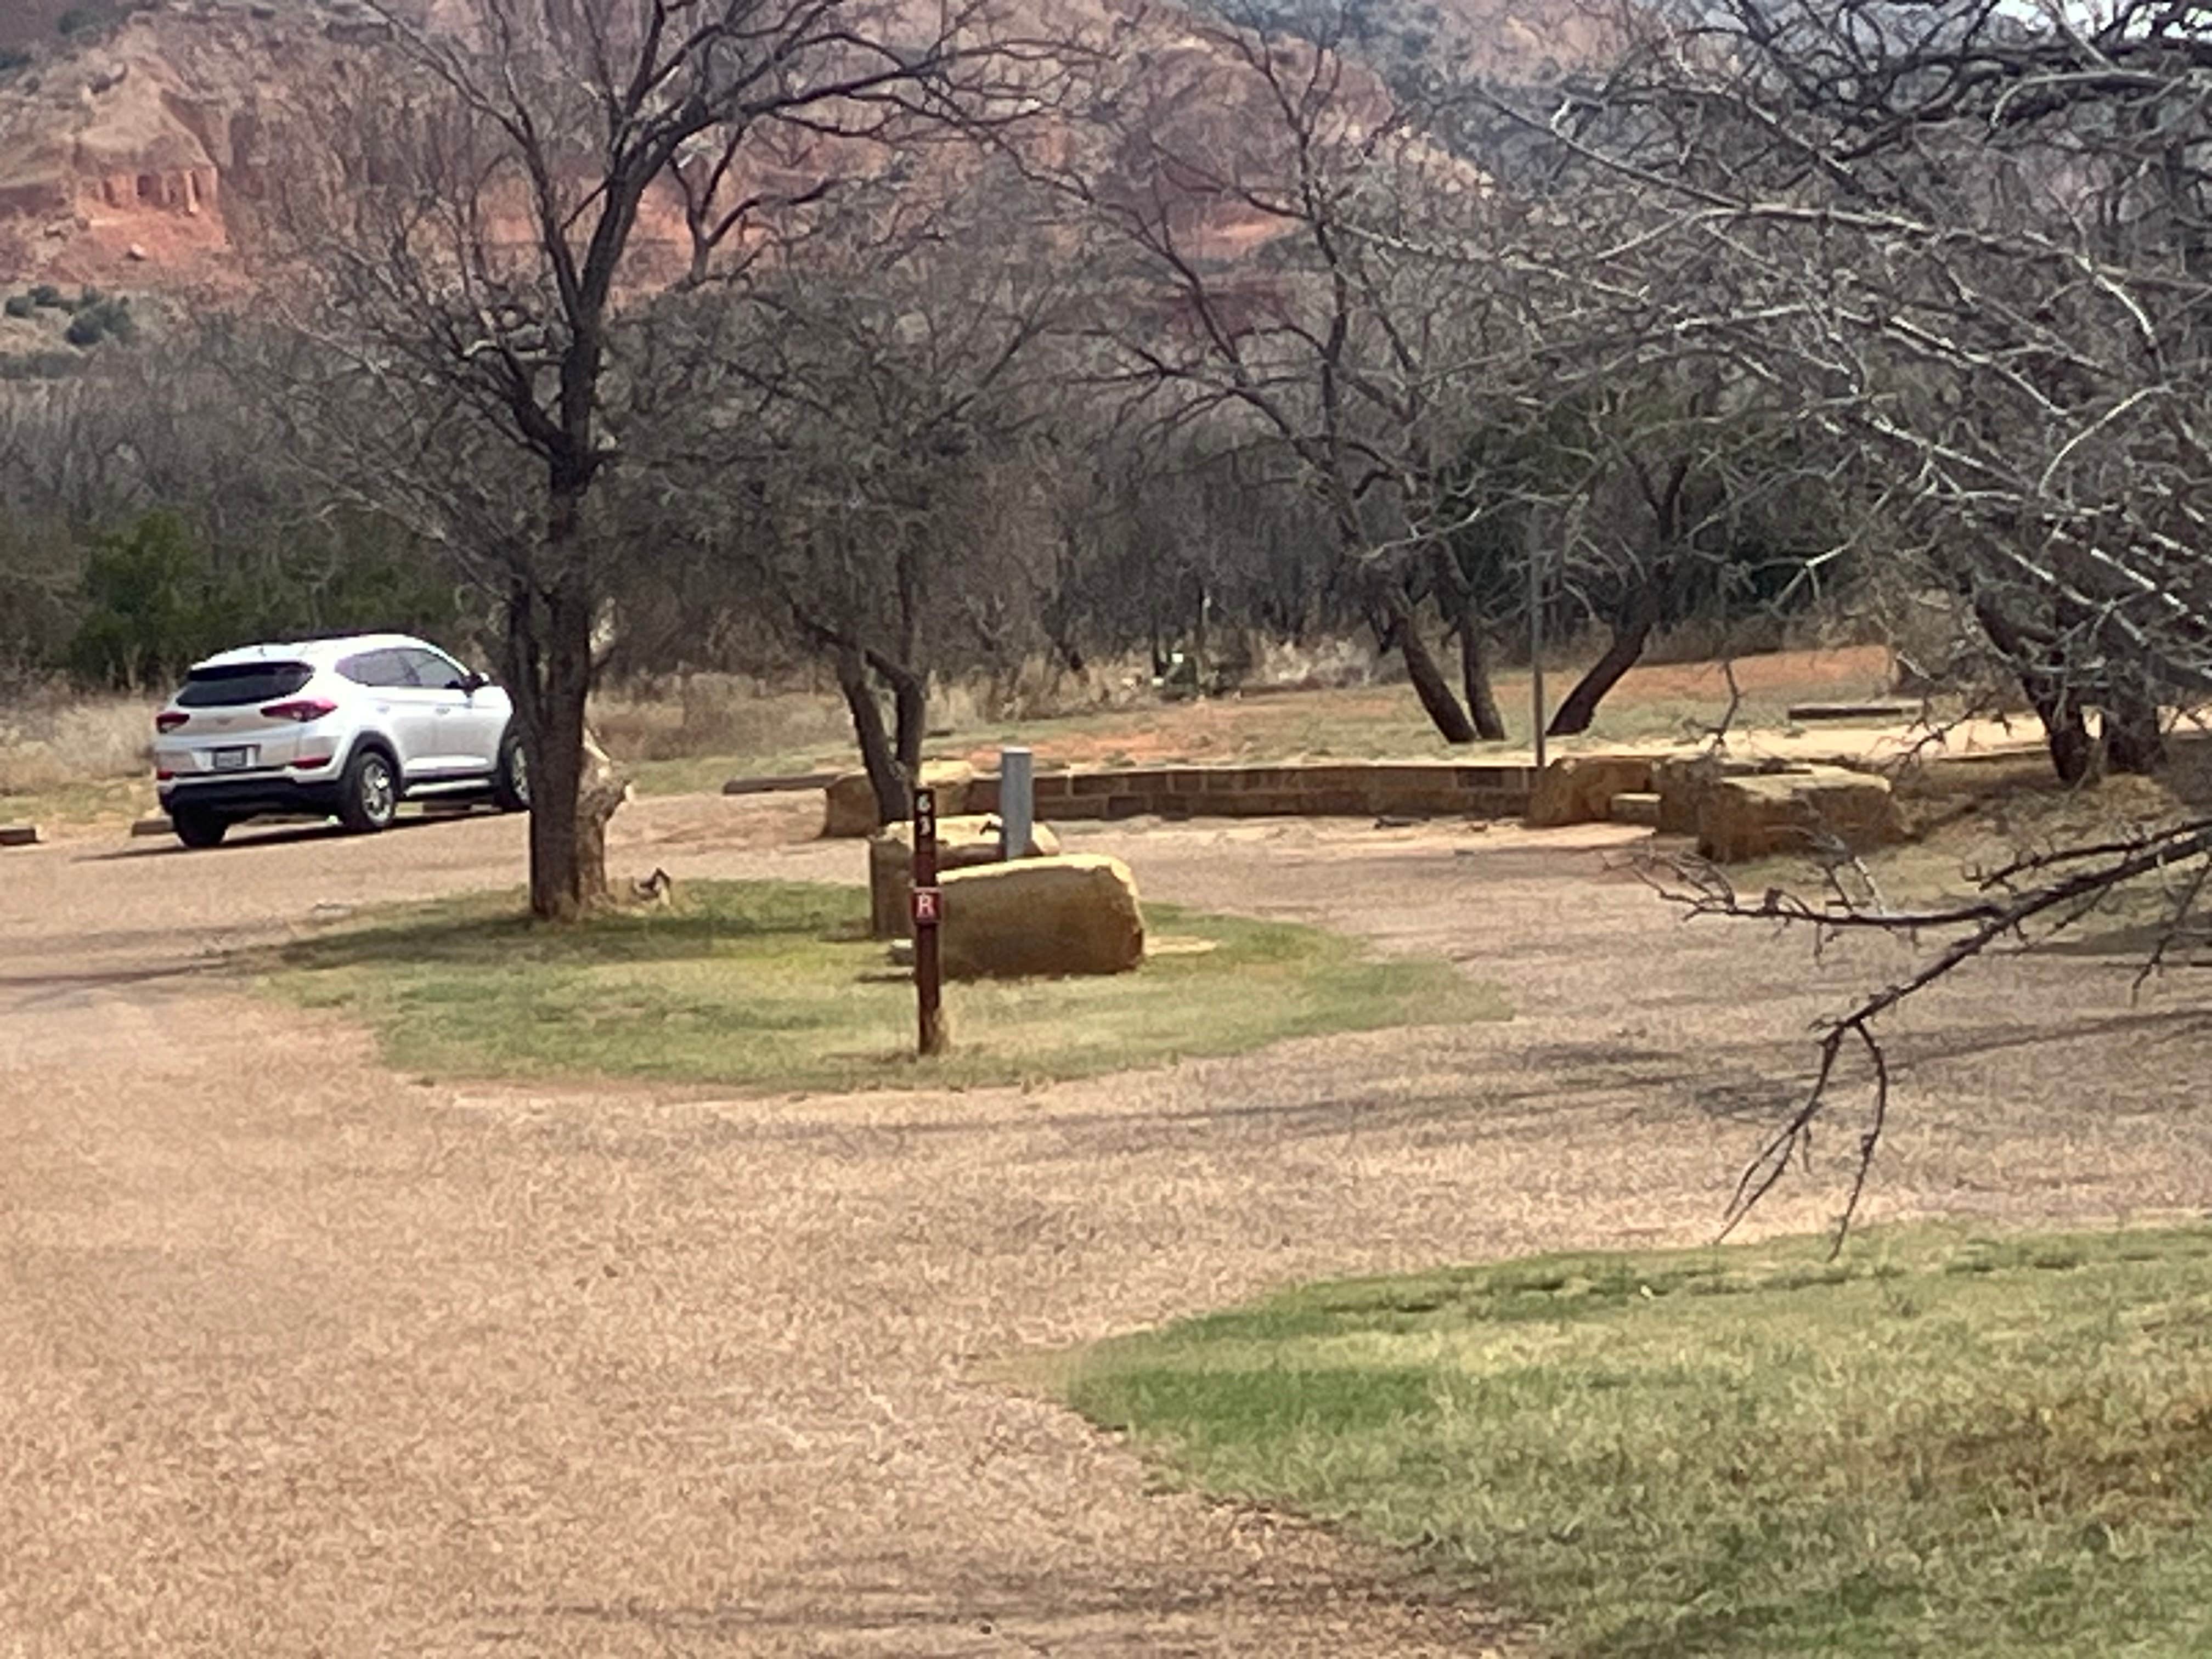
{"x":1536,"y":634}
{"x":1017,"y":802}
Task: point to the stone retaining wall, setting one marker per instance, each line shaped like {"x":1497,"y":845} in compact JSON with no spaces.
{"x":1291,"y":789}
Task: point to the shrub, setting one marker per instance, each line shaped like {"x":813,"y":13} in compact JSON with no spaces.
{"x":13,"y":58}
{"x":54,"y":364}
{"x":49,"y":296}
{"x":100,"y":319}
{"x":19,"y":304}
{"x":145,"y":592}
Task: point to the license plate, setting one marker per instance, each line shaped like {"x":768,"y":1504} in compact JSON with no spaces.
{"x":233,"y":760}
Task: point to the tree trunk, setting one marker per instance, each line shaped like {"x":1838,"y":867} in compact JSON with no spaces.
{"x":2134,"y":739}
{"x":909,"y":709}
{"x":885,"y":776}
{"x":567,"y":872}
{"x":1403,"y":630}
{"x":1473,"y":659}
{"x":1632,"y":632}
{"x":2050,"y":692}
{"x":602,"y":790}
{"x":1474,"y":675}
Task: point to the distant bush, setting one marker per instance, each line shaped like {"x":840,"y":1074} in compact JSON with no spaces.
{"x":101,"y":319}
{"x":19,"y":304}
{"x":146,"y":594}
{"x":96,"y":14}
{"x":158,"y":593}
{"x":47,"y":294}
{"x":42,"y":366}
{"x":13,"y":58}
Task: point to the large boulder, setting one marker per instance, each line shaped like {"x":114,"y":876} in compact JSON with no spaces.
{"x":849,"y":801}
{"x":1580,"y":788}
{"x":1075,"y":914}
{"x":1681,"y":781}
{"x":962,"y":843}
{"x":1745,"y":817}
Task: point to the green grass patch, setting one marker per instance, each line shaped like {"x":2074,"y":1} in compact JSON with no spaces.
{"x":775,"y":985}
{"x":1940,"y":1445}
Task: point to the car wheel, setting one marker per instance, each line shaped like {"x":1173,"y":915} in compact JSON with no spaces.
{"x":510,"y":784}
{"x":196,"y":829}
{"x":368,"y":793}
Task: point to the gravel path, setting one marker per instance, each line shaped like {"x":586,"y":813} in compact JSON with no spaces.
{"x":306,"y":1355}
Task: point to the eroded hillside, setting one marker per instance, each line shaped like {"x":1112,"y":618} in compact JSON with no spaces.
{"x":155,"y":148}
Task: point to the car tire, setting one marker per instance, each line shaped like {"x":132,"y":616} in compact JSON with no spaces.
{"x":369,"y":792}
{"x":510,"y":780}
{"x":199,"y":829}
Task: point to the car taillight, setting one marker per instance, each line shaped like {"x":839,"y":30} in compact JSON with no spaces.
{"x":169,"y":720}
{"x":163,"y":775}
{"x":308,"y":762}
{"x":301,"y":709}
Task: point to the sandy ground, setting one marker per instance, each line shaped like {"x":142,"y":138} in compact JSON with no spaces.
{"x":305,"y":1354}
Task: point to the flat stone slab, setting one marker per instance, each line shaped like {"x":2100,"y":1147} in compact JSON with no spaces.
{"x":1887,"y":710}
{"x":1635,"y":806}
{"x":18,"y":835}
{"x":158,"y":825}
{"x":787,"y":781}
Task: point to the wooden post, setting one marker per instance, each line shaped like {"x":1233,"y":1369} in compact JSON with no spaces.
{"x":928,"y":909}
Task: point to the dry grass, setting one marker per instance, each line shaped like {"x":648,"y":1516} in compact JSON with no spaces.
{"x":69,"y":758}
{"x":717,"y":715}
{"x":297,"y":1345}
{"x":1301,"y":703}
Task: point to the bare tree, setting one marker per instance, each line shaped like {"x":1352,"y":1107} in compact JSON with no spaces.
{"x":1976,"y":239}
{"x":516,"y":185}
{"x":855,"y":427}
{"x":1273,"y":203}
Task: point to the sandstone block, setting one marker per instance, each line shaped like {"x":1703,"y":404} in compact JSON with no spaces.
{"x":1635,"y":806}
{"x":1073,"y":914}
{"x":1745,"y":817}
{"x":849,"y":801}
{"x":962,"y":843}
{"x":1580,"y":788}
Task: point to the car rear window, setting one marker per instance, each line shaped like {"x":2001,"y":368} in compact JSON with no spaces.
{"x":244,"y":681}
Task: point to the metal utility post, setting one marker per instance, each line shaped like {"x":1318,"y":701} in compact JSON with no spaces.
{"x":1017,"y":803}
{"x":928,"y":912}
{"x":1536,"y":634}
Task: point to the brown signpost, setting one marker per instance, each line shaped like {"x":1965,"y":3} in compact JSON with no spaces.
{"x":928,"y":912}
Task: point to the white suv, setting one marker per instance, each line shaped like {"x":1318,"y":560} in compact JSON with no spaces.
{"x":342,"y":727}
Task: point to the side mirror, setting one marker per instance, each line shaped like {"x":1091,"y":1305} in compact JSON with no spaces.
{"x":472,"y":682}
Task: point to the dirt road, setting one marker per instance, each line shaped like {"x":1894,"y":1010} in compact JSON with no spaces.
{"x":305,"y":1354}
